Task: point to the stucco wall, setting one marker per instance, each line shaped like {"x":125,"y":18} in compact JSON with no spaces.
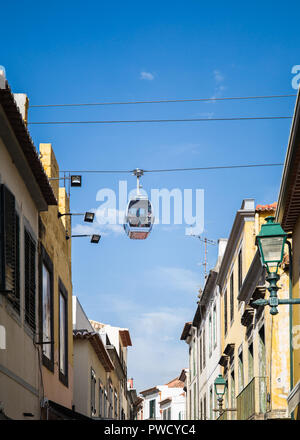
{"x":20,"y":388}
{"x":53,"y":233}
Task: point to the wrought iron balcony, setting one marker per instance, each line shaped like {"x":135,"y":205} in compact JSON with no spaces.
{"x":252,"y":400}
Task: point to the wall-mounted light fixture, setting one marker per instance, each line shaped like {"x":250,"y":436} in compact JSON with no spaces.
{"x":88,"y":216}
{"x":76,"y":180}
{"x":94,"y":237}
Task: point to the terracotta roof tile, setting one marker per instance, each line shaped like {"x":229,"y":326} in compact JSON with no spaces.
{"x":95,"y":339}
{"x":175,"y":383}
{"x":270,"y":207}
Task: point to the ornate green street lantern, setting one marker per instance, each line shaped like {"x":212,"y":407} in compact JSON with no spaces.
{"x":271,"y":241}
{"x":220,"y":387}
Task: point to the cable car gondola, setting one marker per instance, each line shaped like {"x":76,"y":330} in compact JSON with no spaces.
{"x":139,"y":216}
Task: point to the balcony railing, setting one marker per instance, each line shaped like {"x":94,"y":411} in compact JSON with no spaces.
{"x":252,"y":400}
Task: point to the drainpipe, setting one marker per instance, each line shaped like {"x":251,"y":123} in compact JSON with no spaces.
{"x":291,"y":318}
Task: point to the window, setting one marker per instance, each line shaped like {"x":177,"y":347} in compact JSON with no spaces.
{"x":215,"y":325}
{"x":262,"y":370}
{"x":225,"y":313}
{"x":195,"y":401}
{"x":232,"y":389}
{"x":231,"y":298}
{"x":169,"y":414}
{"x":116,"y":405}
{"x":63,"y":334}
{"x":93,"y":392}
{"x":101,"y":397}
{"x":30,"y":284}
{"x":250,"y":362}
{"x":204,"y":407}
{"x":110,"y":402}
{"x":240,"y":268}
{"x":152,"y":409}
{"x":211,"y":404}
{"x":105,"y":404}
{"x":201,"y":410}
{"x":194,"y":360}
{"x":46,"y":308}
{"x":200,"y":351}
{"x":210,"y":335}
{"x":203,"y":345}
{"x":9,"y":247}
{"x":241,"y":371}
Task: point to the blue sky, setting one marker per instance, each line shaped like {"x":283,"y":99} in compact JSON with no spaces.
{"x":97,"y":51}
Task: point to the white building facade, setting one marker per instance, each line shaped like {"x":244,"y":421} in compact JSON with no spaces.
{"x":165,"y":402}
{"x":203,"y":335}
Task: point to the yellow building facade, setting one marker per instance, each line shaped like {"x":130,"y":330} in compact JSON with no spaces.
{"x":55,"y":310}
{"x":288,"y":214}
{"x":255,"y":345}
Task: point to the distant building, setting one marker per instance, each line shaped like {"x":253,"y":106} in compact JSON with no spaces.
{"x":92,"y":367}
{"x":203,"y":337}
{"x":165,"y":402}
{"x":116,"y":341}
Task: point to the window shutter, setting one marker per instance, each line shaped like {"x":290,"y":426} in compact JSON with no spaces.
{"x":29,"y":280}
{"x":9,"y":245}
{"x":17,"y":267}
{"x":8,"y":231}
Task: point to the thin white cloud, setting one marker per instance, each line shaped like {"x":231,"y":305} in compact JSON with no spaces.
{"x":183,"y":280}
{"x":106,"y":221}
{"x":218,"y":76}
{"x":147,"y":75}
{"x":157,"y":355}
{"x":219,"y":86}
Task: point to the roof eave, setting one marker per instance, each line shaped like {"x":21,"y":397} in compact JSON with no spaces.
{"x":288,"y":163}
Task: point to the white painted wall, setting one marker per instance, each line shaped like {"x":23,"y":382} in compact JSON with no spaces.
{"x":178,"y":403}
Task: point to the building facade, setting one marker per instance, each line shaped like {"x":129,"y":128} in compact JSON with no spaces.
{"x":25,"y":193}
{"x":288,"y":214}
{"x":165,"y":402}
{"x":55,"y":296}
{"x":203,"y":337}
{"x":255,"y":349}
{"x":93,"y":396}
{"x":116,"y":341}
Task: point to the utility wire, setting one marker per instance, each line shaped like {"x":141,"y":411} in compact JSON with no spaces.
{"x":164,"y":101}
{"x":175,"y":169}
{"x":137,"y":121}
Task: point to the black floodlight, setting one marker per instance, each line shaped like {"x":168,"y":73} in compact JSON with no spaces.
{"x":95,"y":238}
{"x":76,"y":180}
{"x":89,"y":217}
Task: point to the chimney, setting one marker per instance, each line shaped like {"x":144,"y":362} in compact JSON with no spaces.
{"x":23,"y":104}
{"x":248,"y":205}
{"x":49,"y":162}
{"x":2,"y":78}
{"x":130,"y":384}
{"x":222,"y":243}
